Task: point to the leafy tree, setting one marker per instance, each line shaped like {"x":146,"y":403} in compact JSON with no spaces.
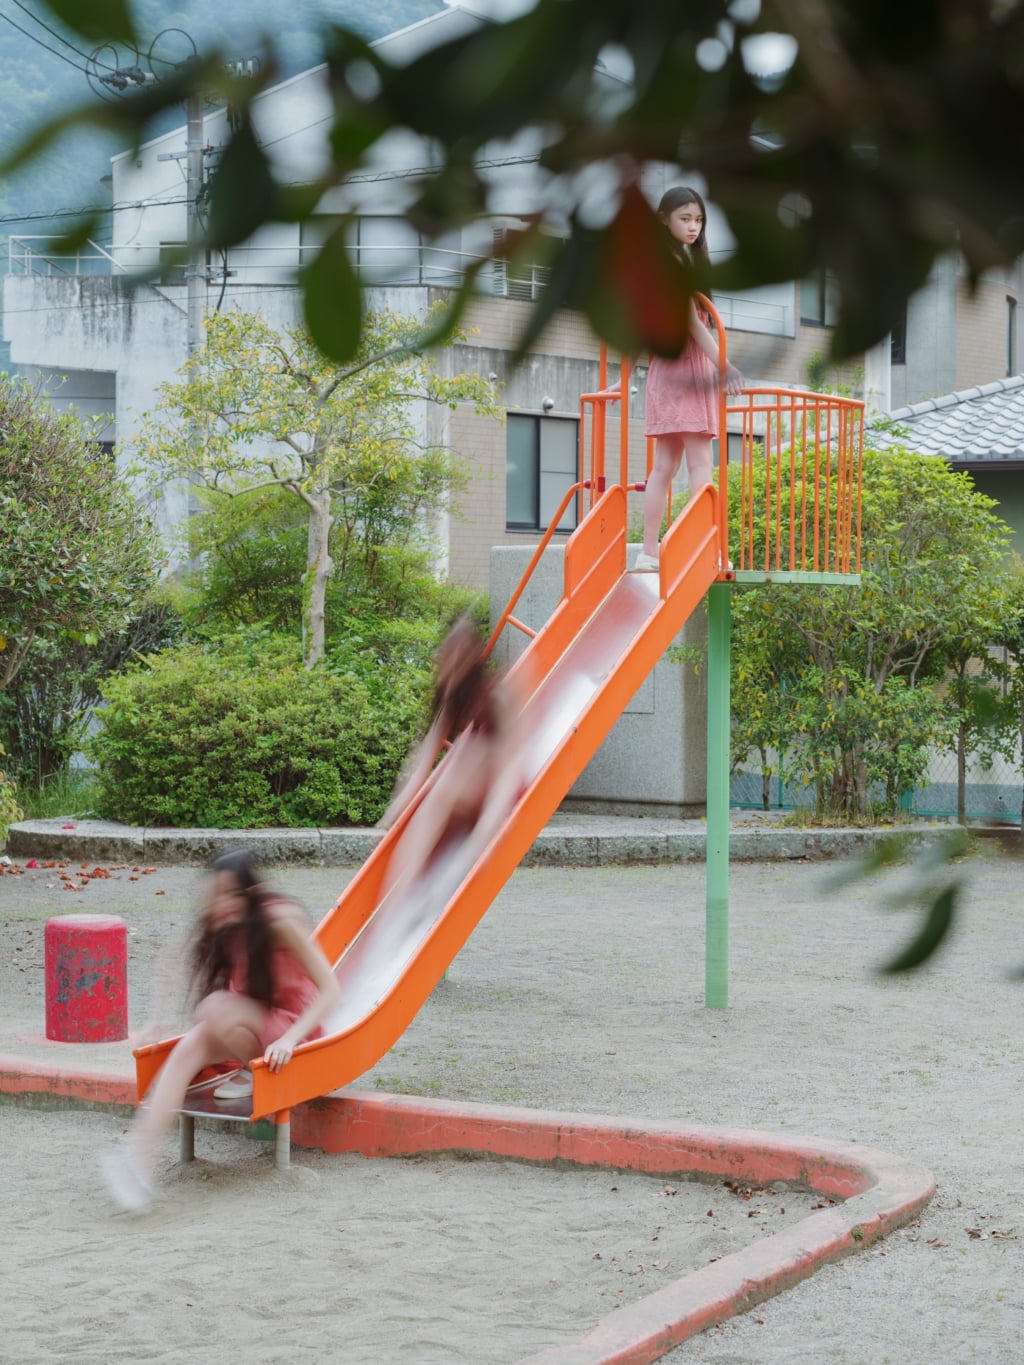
{"x":45,"y":709}
{"x":249,"y":555}
{"x":1011,"y":637}
{"x":256,"y":409}
{"x":9,"y":808}
{"x":76,"y":551}
{"x":845,"y":679}
{"x":983,"y":714}
{"x":879,"y":141}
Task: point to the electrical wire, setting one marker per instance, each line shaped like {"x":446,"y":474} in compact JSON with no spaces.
{"x":86,"y":57}
{"x":83,"y":70}
{"x":45,"y":46}
{"x":96,"y":210}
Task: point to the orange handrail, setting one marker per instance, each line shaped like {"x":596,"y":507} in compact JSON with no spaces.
{"x":506,"y":617}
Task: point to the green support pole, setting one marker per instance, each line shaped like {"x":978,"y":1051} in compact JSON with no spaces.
{"x":716,"y":949}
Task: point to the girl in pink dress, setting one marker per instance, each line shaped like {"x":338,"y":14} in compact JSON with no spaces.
{"x":682,"y":394}
{"x":264,"y":987}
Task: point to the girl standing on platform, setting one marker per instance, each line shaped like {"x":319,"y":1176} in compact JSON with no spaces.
{"x":264,"y":987}
{"x":682,"y":394}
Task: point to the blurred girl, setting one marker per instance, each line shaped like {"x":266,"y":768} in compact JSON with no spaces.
{"x":682,"y":394}
{"x":264,"y":987}
{"x":473,"y":793}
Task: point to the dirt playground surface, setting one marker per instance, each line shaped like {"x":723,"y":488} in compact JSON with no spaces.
{"x":581,"y":990}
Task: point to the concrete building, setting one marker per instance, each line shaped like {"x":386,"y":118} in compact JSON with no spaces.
{"x":103,"y":345}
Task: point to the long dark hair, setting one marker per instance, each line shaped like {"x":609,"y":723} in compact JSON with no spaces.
{"x":211,"y":958}
{"x":674,"y":198}
{"x":463,"y":687}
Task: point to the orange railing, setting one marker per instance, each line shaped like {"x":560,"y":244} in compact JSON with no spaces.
{"x":506,"y":618}
{"x":800,"y":481}
{"x":800,"y":475}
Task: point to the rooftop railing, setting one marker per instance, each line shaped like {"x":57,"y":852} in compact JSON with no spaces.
{"x":394,"y":264}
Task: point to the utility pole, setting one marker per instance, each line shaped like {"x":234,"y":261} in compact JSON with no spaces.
{"x":195,"y":273}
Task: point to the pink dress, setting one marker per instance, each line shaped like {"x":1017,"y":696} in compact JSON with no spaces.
{"x":293,"y":989}
{"x":682,"y":394}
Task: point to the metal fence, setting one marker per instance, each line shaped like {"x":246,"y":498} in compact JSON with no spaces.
{"x":992,"y":793}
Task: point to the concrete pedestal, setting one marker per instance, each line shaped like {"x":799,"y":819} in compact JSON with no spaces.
{"x":654,"y":761}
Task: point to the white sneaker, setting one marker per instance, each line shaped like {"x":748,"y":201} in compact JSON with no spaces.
{"x":129,"y":1191}
{"x":646,"y":563}
{"x":235,"y":1087}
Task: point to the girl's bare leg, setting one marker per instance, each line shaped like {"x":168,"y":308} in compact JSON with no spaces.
{"x":668,"y":456}
{"x":226,"y":1025}
{"x":427,"y":826}
{"x":699,"y":458}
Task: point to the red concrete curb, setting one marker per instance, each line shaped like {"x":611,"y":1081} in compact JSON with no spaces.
{"x":18,"y":1077}
{"x":881,"y":1191}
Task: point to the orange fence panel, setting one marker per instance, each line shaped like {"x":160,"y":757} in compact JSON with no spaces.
{"x":801,"y":464}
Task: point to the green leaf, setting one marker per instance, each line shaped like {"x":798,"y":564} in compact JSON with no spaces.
{"x":936,"y":926}
{"x":570,"y":265}
{"x":243,"y":194}
{"x":297,"y":202}
{"x":97,"y":19}
{"x":332,"y":298}
{"x":78,"y":236}
{"x":450,"y":314}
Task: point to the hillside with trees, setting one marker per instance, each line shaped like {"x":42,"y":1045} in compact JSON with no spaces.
{"x":44,"y":68}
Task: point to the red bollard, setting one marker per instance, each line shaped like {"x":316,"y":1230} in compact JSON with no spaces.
{"x":86,"y":979}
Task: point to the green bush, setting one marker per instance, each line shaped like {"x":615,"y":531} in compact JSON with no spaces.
{"x":45,"y":710}
{"x":10,"y":811}
{"x":242,"y":736}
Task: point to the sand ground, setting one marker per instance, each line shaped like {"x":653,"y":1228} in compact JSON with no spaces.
{"x":582,"y":989}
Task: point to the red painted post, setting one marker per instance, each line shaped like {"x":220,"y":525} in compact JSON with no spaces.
{"x":86,"y":979}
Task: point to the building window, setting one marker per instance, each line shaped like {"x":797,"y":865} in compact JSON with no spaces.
{"x":818,"y":301}
{"x":898,"y":340}
{"x":1011,"y":335}
{"x":541,"y":464}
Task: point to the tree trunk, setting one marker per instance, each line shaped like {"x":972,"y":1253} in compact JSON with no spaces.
{"x":1022,"y":763}
{"x":961,"y":773}
{"x":318,"y":571}
{"x":766,"y":781}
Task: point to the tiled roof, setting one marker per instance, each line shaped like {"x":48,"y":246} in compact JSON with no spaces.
{"x":983,"y":425}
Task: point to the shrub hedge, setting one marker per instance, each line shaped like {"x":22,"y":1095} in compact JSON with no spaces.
{"x":243,"y":736}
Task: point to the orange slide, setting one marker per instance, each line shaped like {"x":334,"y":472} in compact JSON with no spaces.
{"x":583,"y":666}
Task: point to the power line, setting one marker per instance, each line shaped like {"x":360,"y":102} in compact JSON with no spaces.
{"x":85,"y":56}
{"x":83,"y":70}
{"x":45,"y":46}
{"x":97,"y":209}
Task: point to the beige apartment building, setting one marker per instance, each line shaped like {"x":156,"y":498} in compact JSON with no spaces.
{"x":103,"y":346}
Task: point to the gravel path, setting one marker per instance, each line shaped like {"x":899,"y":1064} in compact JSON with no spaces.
{"x":582,"y":990}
